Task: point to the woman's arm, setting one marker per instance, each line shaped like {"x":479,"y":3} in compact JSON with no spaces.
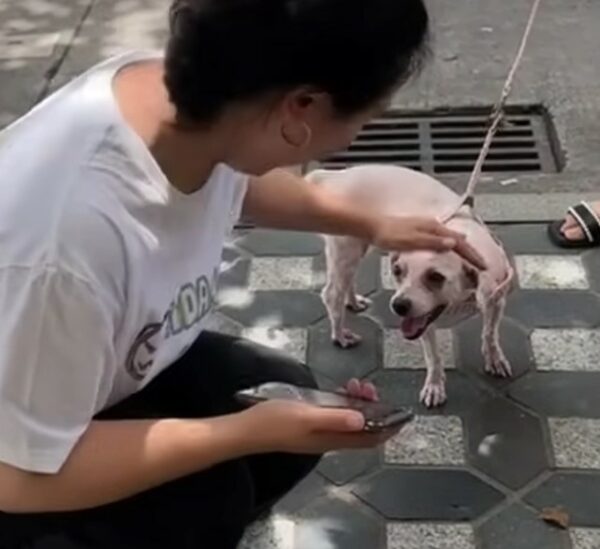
{"x":281,"y":200}
{"x":117,"y":459}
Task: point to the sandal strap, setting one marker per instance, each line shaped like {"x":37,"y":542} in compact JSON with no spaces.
{"x":588,"y":220}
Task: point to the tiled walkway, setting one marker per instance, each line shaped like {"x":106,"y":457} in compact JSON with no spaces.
{"x":476,"y":473}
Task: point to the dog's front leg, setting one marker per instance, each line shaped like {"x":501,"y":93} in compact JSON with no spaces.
{"x":434,"y":389}
{"x":492,"y":311}
{"x":355,"y":302}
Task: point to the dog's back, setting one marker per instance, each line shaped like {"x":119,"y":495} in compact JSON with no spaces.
{"x":390,"y":190}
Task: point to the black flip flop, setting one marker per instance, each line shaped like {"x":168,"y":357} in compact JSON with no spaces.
{"x":587,"y":219}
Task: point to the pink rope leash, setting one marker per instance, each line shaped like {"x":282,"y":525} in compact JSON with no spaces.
{"x":496,"y":116}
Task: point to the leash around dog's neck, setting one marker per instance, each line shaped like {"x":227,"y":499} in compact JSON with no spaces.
{"x":468,"y":197}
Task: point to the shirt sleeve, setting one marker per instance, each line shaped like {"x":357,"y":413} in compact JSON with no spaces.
{"x":56,"y":356}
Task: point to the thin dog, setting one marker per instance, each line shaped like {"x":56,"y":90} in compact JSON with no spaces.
{"x":432,"y":290}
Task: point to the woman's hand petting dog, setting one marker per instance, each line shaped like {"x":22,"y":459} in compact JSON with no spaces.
{"x":403,"y":234}
{"x":295,"y":427}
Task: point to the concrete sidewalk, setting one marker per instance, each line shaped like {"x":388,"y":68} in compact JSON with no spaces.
{"x":44,"y":43}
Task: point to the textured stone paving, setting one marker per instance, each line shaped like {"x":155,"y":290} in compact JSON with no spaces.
{"x":476,"y":473}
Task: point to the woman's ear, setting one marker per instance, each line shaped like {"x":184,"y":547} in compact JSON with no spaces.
{"x":470,"y":277}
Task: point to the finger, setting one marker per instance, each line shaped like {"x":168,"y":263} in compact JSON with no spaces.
{"x":445,"y":232}
{"x":369,"y":391}
{"x":428,"y":241}
{"x":460,"y":245}
{"x":469,"y":253}
{"x":354,"y":388}
{"x":335,"y":420}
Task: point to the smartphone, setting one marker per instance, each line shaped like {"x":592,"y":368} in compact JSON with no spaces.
{"x":379,"y":416}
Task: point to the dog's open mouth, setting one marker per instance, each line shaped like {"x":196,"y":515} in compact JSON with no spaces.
{"x":414,"y":327}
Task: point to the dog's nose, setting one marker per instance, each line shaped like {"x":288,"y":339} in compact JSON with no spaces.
{"x":401,"y":306}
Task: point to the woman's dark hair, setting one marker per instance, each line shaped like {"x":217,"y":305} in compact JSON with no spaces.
{"x":225,"y":51}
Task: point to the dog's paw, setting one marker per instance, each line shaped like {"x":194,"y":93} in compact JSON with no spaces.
{"x":359,"y":304}
{"x":433,"y":393}
{"x":498,"y":365}
{"x":347,"y":339}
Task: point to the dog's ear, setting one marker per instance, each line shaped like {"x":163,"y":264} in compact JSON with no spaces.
{"x":470,"y":277}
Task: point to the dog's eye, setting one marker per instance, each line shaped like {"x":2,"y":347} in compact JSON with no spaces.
{"x":396,"y":270}
{"x":435,"y":278}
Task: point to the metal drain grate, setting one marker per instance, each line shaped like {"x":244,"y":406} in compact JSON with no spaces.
{"x":450,"y":143}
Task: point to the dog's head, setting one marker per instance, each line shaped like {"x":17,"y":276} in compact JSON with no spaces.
{"x":427,"y":283}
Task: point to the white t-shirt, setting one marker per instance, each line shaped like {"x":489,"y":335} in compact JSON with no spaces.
{"x":107,"y":272}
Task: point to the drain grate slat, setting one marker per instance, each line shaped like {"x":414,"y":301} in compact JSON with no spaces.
{"x":450,"y":142}
{"x":374,"y":156}
{"x":519,"y":144}
{"x":508,"y":154}
{"x":461,"y":166}
{"x":479,"y":134}
{"x":385,"y":144}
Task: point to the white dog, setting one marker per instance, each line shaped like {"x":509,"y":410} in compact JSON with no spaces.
{"x":432,"y":289}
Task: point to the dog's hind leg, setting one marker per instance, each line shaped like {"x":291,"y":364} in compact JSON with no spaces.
{"x":434,"y":389}
{"x":492,"y":311}
{"x":343,"y":256}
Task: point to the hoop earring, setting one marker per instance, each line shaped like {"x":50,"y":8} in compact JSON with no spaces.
{"x":293,"y":142}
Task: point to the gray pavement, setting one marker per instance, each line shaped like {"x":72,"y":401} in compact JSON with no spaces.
{"x":47,"y":42}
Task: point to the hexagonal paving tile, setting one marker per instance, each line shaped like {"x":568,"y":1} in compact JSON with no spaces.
{"x":290,"y":340}
{"x":349,"y":523}
{"x":401,"y":353}
{"x":513,"y":339}
{"x":337,"y":363}
{"x":428,"y":440}
{"x":549,"y":272}
{"x":555,"y":309}
{"x":427,"y":495}
{"x":560,"y":394}
{"x":403,"y":535}
{"x":288,"y":308}
{"x":505,"y":442}
{"x":567,"y":350}
{"x":281,"y":273}
{"x":309,"y":489}
{"x":518,"y":528}
{"x":402,"y":387}
{"x":266,"y":242}
{"x":576,"y":492}
{"x":342,"y":467}
{"x":576,"y":442}
{"x":585,"y":538}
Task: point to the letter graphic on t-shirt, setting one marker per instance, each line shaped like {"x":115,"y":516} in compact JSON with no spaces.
{"x":141,"y":355}
{"x":188,"y":305}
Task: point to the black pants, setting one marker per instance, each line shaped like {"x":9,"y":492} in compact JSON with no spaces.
{"x":209,"y":509}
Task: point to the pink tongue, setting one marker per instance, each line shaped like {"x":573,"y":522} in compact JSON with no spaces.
{"x":412,"y":326}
